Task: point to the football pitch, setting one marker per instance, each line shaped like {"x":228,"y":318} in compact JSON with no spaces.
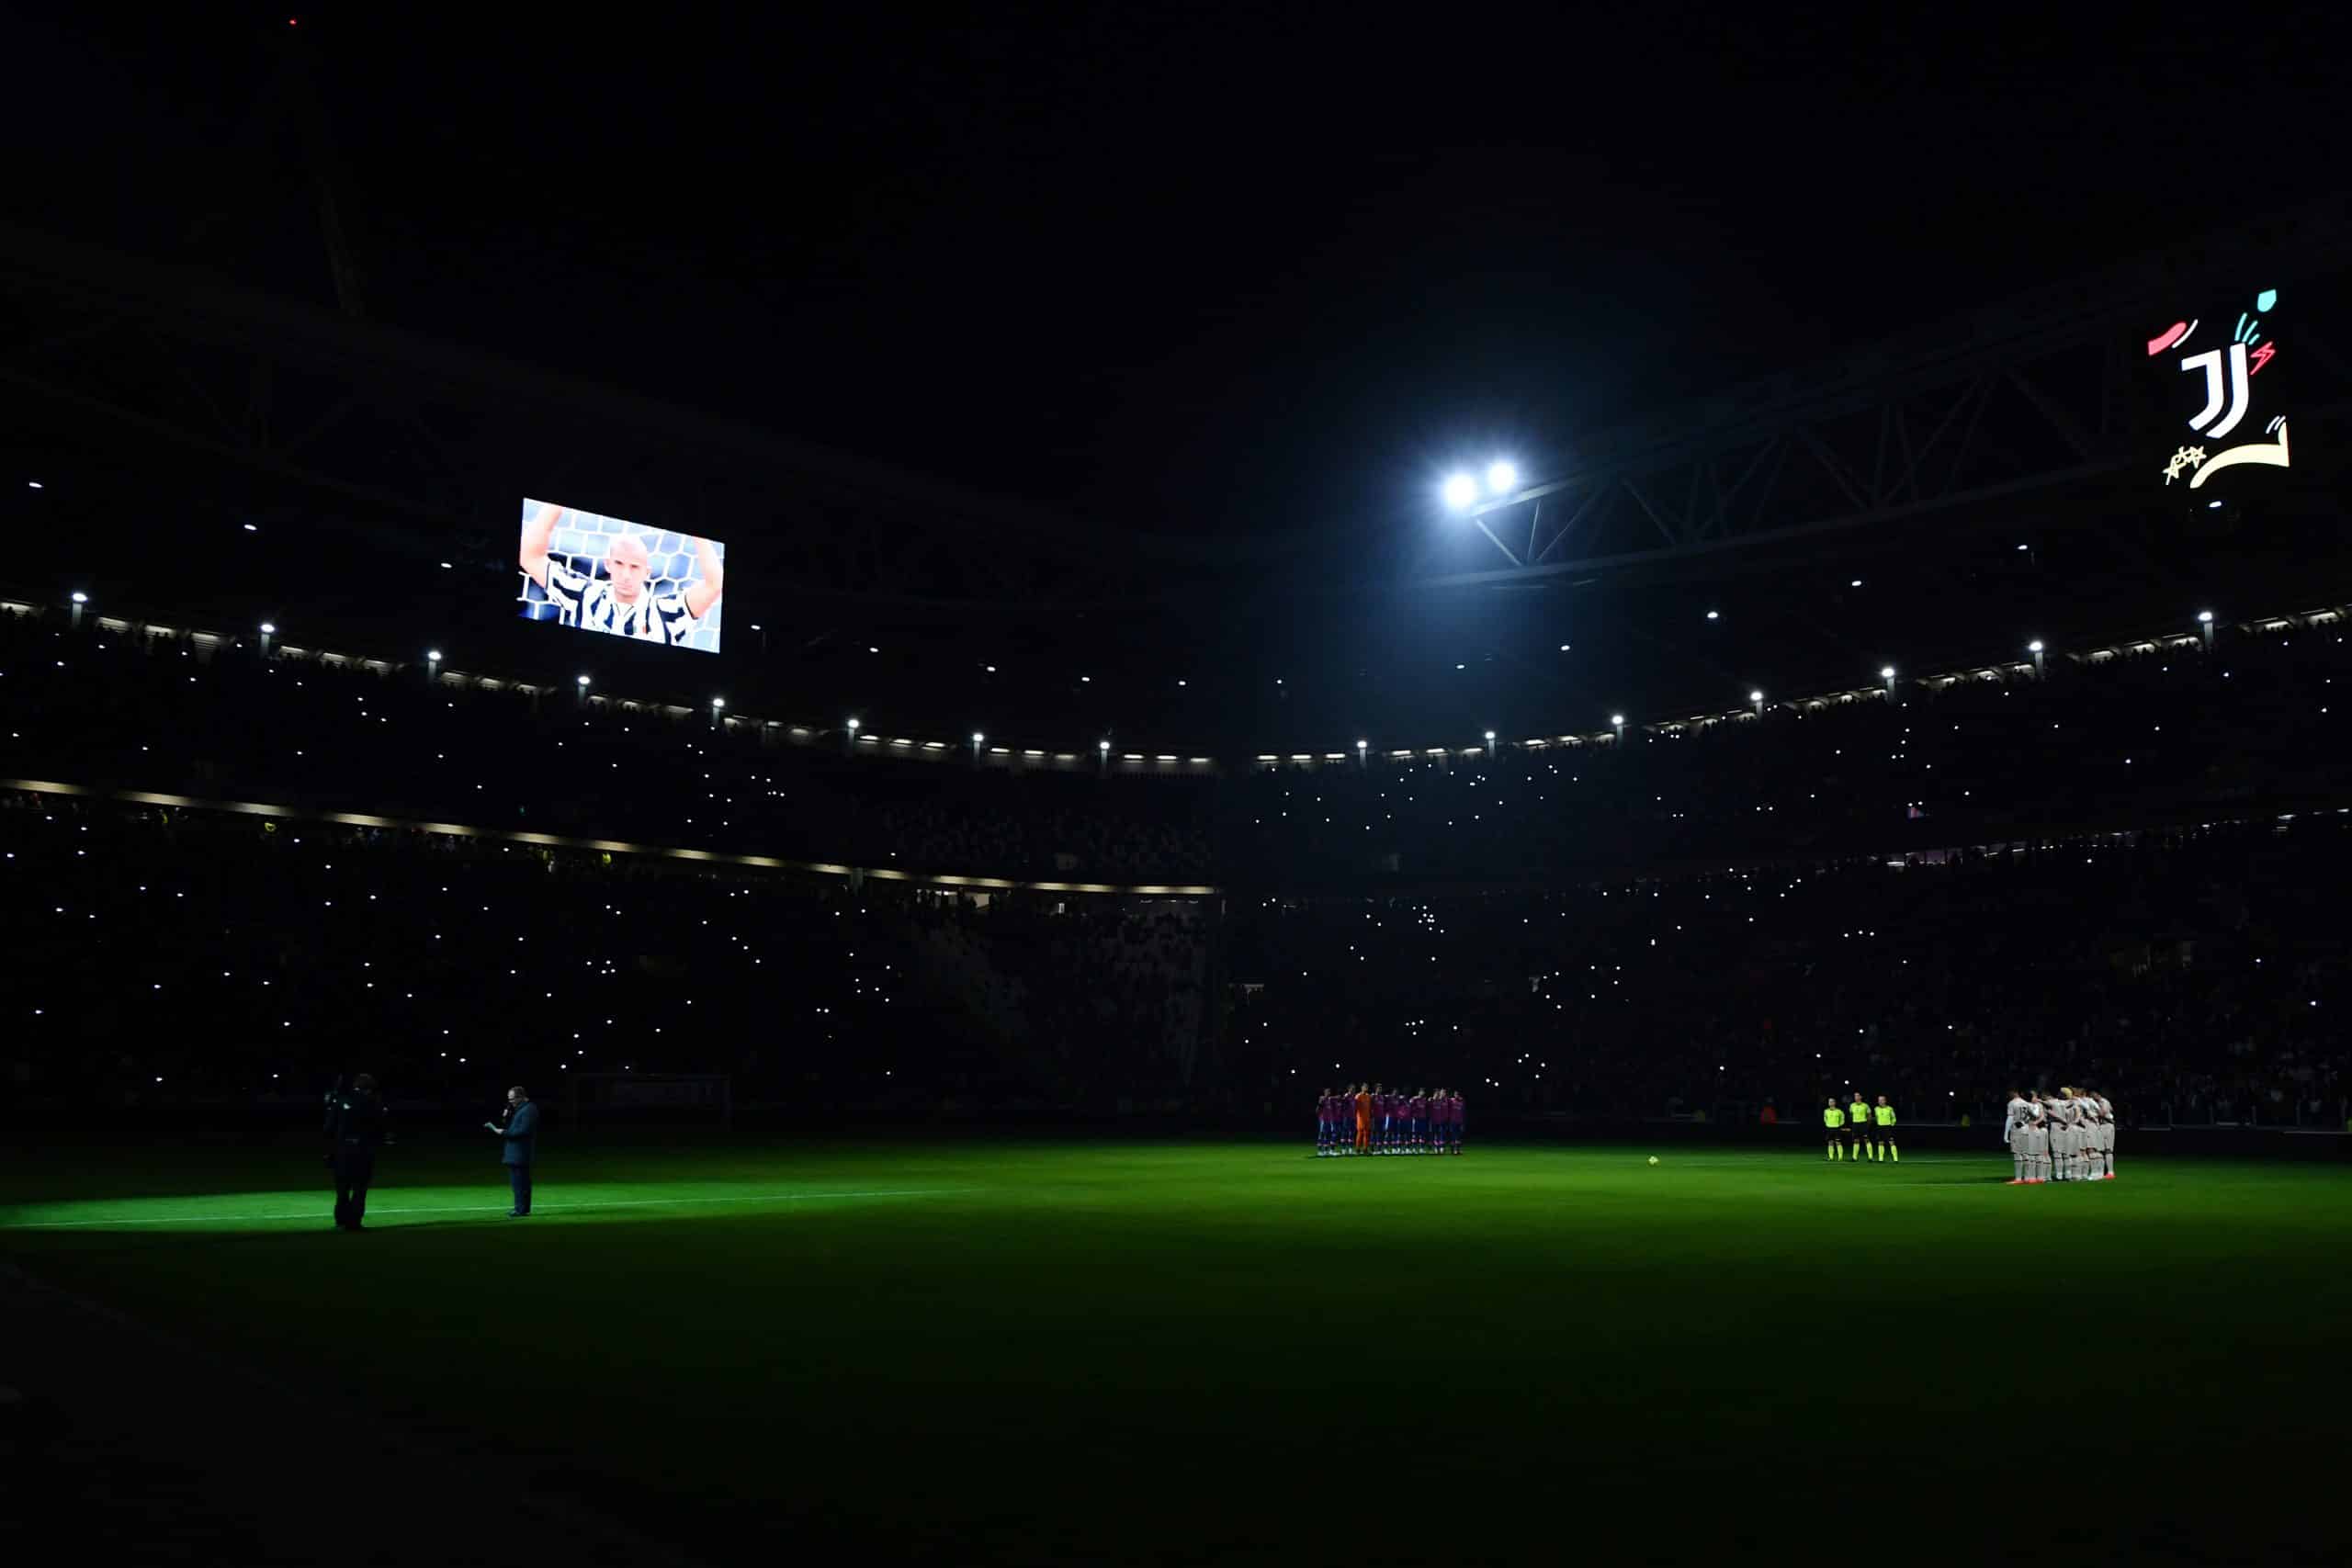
{"x":1100,"y":1353}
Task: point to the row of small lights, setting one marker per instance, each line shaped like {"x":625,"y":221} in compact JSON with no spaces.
{"x":1616,"y":720}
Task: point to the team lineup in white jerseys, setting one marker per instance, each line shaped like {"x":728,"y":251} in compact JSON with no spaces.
{"x":2067,"y":1137}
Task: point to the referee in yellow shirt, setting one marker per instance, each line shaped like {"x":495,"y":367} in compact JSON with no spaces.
{"x":1834,"y":1120}
{"x":1882,"y":1114}
{"x":1858,"y":1128}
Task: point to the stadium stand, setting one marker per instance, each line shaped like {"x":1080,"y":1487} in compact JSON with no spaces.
{"x":1883,"y":891}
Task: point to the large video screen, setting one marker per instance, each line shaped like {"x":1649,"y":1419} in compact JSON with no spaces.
{"x":595,"y":573}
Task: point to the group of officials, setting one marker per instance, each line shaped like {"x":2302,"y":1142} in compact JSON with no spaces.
{"x":356,"y":1129}
{"x":2068,"y":1138}
{"x":1368,"y":1119}
{"x":1860,"y":1130}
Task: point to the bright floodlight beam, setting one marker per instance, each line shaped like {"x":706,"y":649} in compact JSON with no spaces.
{"x":1459,"y":490}
{"x":1502,"y":477}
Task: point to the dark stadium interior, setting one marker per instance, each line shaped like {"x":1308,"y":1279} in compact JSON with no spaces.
{"x":1118,"y":743}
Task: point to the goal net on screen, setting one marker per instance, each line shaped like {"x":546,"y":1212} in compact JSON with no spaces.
{"x":609,"y":1099}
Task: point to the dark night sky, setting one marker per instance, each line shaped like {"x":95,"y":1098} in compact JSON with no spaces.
{"x":1191,"y":269}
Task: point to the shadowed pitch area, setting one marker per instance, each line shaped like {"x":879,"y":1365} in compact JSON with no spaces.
{"x":1114,"y":1353}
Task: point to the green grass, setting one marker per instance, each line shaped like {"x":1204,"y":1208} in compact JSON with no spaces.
{"x":1102,"y":1353}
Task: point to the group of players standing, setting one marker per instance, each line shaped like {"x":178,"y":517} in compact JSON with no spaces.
{"x":1860,"y":1132}
{"x":1368,"y":1119}
{"x":2069,"y":1137}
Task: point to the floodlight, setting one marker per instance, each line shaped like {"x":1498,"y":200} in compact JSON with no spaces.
{"x":80,"y":597}
{"x":2203,"y":616}
{"x":1460,"y":491}
{"x":1502,"y":477}
{"x":2034,"y":646}
{"x":1886,"y":671}
{"x":581,"y":680}
{"x":267,"y":628}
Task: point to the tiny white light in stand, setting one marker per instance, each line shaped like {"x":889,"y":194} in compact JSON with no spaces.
{"x":977,"y":738}
{"x":1502,"y":477}
{"x":2204,"y":617}
{"x":2034,"y":646}
{"x":1104,"y":747}
{"x":36,"y":484}
{"x":719,"y":702}
{"x":582,"y":680}
{"x":268,"y":629}
{"x":446,"y":567}
{"x":1856,"y":583}
{"x":1714,"y":616}
{"x":1886,"y":671}
{"x":80,"y":597}
{"x":1618,"y":719}
{"x":853,"y":727}
{"x":252,"y":528}
{"x":2212,"y":506}
{"x":1755,"y":696}
{"x":1490,"y":735}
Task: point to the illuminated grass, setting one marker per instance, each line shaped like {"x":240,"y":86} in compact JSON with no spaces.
{"x":996,"y":1353}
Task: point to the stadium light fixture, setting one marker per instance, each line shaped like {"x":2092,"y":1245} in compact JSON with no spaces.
{"x":719,"y":702}
{"x":2034,"y":646}
{"x":1856,"y":583}
{"x":756,"y":626}
{"x":1459,"y":490}
{"x":1886,"y":671}
{"x":1715,"y":615}
{"x":1757,"y":697}
{"x":853,"y":727}
{"x":580,"y":680}
{"x":1618,"y":719}
{"x":446,"y":566}
{"x":2212,"y":506}
{"x":2204,"y":617}
{"x":1502,"y":477}
{"x":433,"y":656}
{"x":269,"y":628}
{"x":253,"y":527}
{"x":1490,"y":735}
{"x":977,"y":738}
{"x":80,"y":597}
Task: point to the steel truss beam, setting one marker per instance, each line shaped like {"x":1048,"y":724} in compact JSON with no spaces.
{"x":2038,"y":395}
{"x":436,"y":445}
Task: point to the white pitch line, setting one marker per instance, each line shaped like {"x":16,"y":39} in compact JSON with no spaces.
{"x":492,"y":1208}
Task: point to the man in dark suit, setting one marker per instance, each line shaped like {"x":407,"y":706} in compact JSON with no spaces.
{"x":520,"y":1135}
{"x":355,"y":1130}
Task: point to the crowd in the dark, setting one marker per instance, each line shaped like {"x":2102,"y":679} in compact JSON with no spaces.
{"x":2122,"y":875}
{"x":2194,"y":976}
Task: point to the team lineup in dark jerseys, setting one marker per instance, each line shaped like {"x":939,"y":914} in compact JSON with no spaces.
{"x":1369,"y":1119}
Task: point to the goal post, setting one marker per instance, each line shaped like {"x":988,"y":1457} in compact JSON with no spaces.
{"x":649,"y":1099}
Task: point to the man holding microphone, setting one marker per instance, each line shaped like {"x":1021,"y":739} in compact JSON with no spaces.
{"x":520,"y":1136}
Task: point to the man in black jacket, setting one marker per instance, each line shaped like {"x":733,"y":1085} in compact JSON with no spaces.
{"x":519,"y":1135}
{"x":355,"y":1130}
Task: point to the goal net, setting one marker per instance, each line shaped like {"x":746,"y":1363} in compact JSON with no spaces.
{"x":650,"y":1099}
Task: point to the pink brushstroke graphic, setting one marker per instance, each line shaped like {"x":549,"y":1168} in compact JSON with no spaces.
{"x":2179,"y":331}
